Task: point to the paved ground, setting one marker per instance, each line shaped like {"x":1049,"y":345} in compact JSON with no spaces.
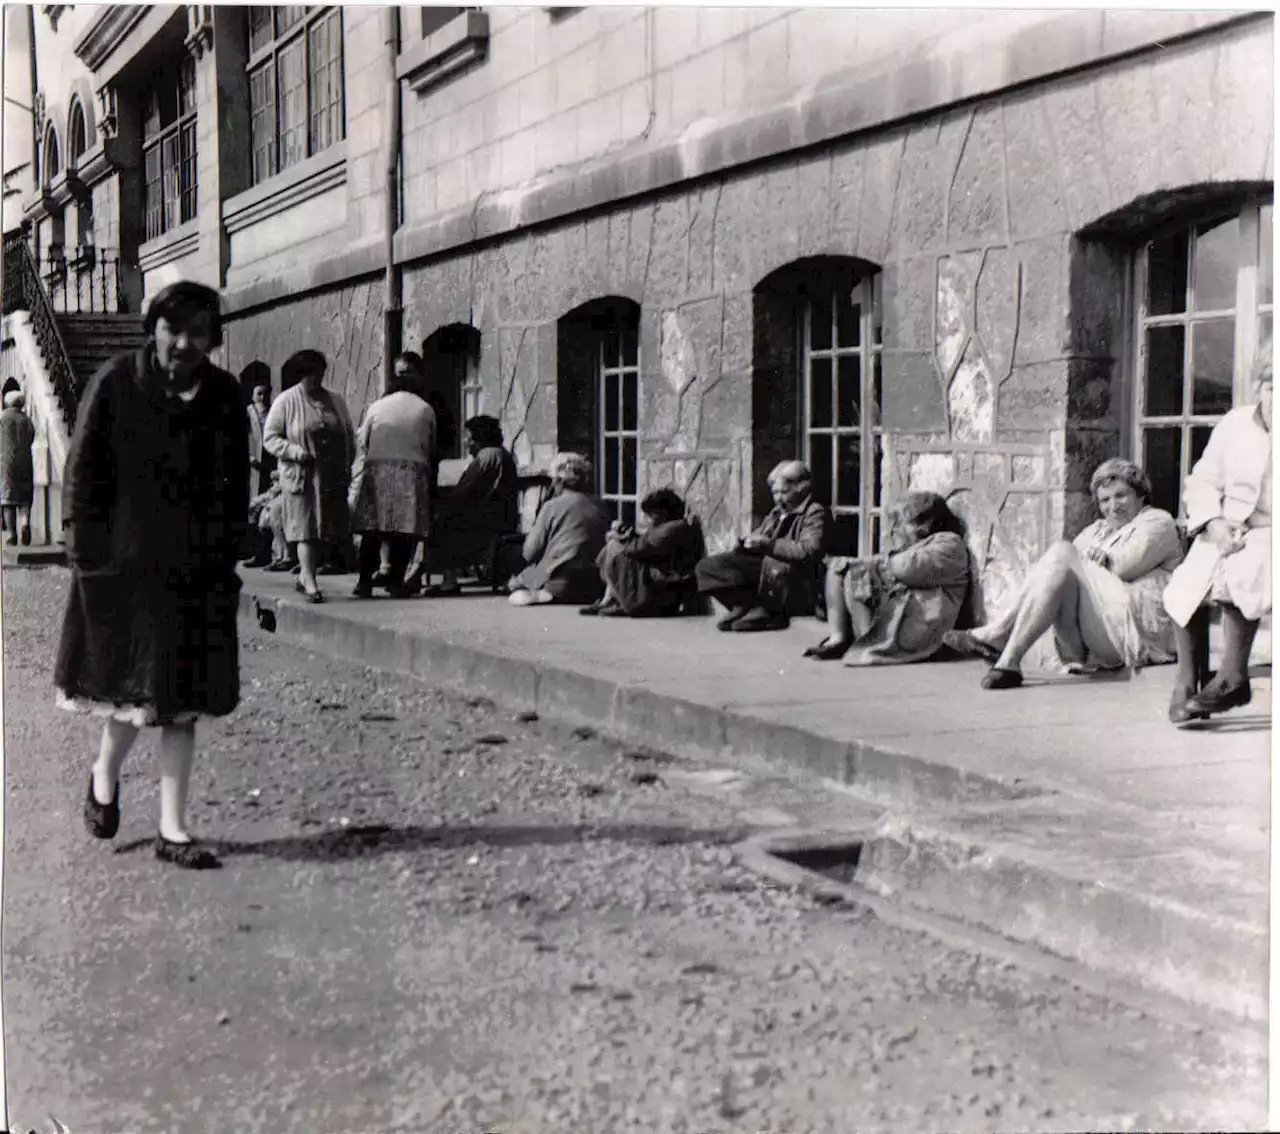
{"x":510,"y":935}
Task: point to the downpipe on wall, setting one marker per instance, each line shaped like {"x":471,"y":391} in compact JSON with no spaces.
{"x":392,"y":312}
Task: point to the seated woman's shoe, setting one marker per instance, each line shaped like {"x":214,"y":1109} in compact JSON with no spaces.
{"x":26,"y":535}
{"x":963,"y":642}
{"x":362,"y":590}
{"x":591,"y":609}
{"x":278,"y":566}
{"x":728,"y":621}
{"x":190,"y":856}
{"x":1220,"y":695}
{"x":102,"y":819}
{"x":1179,"y":712}
{"x":759,"y":619}
{"x":827,"y":650}
{"x":1002,"y":679}
{"x":611,"y":610}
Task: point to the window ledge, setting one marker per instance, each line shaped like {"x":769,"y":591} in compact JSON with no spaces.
{"x":317,"y":174}
{"x":170,"y":246}
{"x":101,"y":161}
{"x":462,"y":41}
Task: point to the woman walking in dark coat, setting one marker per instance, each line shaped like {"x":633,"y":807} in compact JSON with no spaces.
{"x":155,"y":499}
{"x":17,"y":472}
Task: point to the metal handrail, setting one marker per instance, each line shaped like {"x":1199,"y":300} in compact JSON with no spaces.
{"x":23,"y":291}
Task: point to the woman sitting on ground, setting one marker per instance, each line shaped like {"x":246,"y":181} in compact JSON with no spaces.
{"x":1228,"y":505}
{"x":1101,"y":593}
{"x":566,"y":539}
{"x":480,"y":507}
{"x":649,"y":574}
{"x":895,"y":608}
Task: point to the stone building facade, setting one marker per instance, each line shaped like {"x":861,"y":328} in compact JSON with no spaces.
{"x":969,"y":251}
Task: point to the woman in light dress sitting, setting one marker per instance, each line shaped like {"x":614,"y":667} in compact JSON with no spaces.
{"x":1100,"y":593}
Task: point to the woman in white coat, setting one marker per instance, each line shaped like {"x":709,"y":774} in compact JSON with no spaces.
{"x":1228,"y":505}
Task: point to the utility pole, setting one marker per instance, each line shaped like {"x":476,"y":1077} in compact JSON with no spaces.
{"x":35,"y":86}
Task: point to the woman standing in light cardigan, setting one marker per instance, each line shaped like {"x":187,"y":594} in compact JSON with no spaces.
{"x":309,"y":432}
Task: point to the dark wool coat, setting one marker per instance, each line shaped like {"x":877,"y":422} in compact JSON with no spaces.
{"x":17,"y":471}
{"x":790,"y":574}
{"x":155,"y":501}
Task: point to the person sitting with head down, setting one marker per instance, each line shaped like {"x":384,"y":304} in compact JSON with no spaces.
{"x":1100,"y":594}
{"x":649,"y":574}
{"x":566,"y":538}
{"x":895,"y":608}
{"x":770,"y":574}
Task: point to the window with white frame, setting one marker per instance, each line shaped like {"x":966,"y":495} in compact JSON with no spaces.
{"x":619,"y":408}
{"x":840,"y":406}
{"x":1203,"y":305}
{"x":296,"y":88}
{"x":169,"y":149}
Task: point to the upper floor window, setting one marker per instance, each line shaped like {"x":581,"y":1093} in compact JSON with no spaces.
{"x":52,"y":158}
{"x":77,"y":135}
{"x":296,"y":89}
{"x":169,"y":149}
{"x":1204,"y":303}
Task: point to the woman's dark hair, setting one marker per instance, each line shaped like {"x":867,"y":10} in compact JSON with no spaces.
{"x":298,"y":365}
{"x":663,"y":504}
{"x":929,"y":510}
{"x":178,"y":302}
{"x":486,"y":430}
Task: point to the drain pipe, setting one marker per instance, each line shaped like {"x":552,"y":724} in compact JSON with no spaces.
{"x":392,"y":291}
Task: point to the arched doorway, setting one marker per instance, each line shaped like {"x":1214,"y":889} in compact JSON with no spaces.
{"x":451,"y":363}
{"x":598,"y":396}
{"x":816,"y":389}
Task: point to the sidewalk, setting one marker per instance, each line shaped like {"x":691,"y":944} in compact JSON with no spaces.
{"x":1067,"y":814}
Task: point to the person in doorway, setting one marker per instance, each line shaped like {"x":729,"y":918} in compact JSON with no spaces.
{"x":261,"y":467}
{"x":1228,"y":505}
{"x":482,"y":506}
{"x":1100,"y":594}
{"x":771,"y":573}
{"x":309,"y":432}
{"x":567,"y":537}
{"x":17,"y":471}
{"x":155,"y":497}
{"x":895,"y":608}
{"x":650,"y":574}
{"x":391,"y":484}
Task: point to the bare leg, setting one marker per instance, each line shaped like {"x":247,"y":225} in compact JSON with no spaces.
{"x":860,"y":618}
{"x":1050,"y":598}
{"x":117,"y":739}
{"x":177,"y":750}
{"x":309,"y":556}
{"x":840,"y":630}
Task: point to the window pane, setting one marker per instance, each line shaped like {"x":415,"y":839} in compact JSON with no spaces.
{"x":1167,"y":275}
{"x":262,"y":121}
{"x":849,"y":392}
{"x":873,"y":418}
{"x":187,"y":86}
{"x":848,"y":319}
{"x":1217,"y":259}
{"x":326,"y":82}
{"x":877,"y":310}
{"x":630,"y":383}
{"x":849,"y":471}
{"x":627,"y":513}
{"x":292,"y":82}
{"x":875,"y":532}
{"x":154,"y":197}
{"x":1199,"y":439}
{"x":1264,"y":326}
{"x":288,"y":15}
{"x":1212,"y":363}
{"x":433,"y":19}
{"x":1265,"y":262}
{"x":151,"y":118}
{"x":820,"y":323}
{"x":820,"y":392}
{"x":171,"y":183}
{"x":879,"y":459}
{"x":1165,"y":355}
{"x":630,"y":342}
{"x":609,"y":347}
{"x":820,"y":461}
{"x":1163,"y":464}
{"x":630,"y":466}
{"x":610,"y":470}
{"x":187,"y":171}
{"x":259,"y":28}
{"x":611,"y":403}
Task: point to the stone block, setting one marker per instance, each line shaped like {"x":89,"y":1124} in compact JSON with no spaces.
{"x":931,"y":472}
{"x":697,"y":89}
{"x":879,"y":172}
{"x":912,"y":393}
{"x":957,"y":276}
{"x":1078,"y":512}
{"x":732,"y":259}
{"x":772,"y":230}
{"x":1099,"y":278}
{"x":1029,"y":469}
{"x":910,"y":289}
{"x":920,"y":203}
{"x":847,"y":188}
{"x":1034,"y":398}
{"x":1240,"y":144}
{"x":1017,"y":540}
{"x":814,"y":178}
{"x":1071,"y":111}
{"x":669,"y":261}
{"x":1044,"y":326}
{"x":989,"y":469}
{"x":1131,"y":134}
{"x":971,"y":398}
{"x":736,"y":348}
{"x":1094,"y":392}
{"x":1084,"y":451}
{"x":639,"y":247}
{"x":976,"y":207}
{"x":996,"y":303}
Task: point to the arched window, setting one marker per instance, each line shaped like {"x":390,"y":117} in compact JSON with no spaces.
{"x":52,"y":157}
{"x":77,"y":135}
{"x":598,"y":396}
{"x":816,"y":390}
{"x":451,"y":359}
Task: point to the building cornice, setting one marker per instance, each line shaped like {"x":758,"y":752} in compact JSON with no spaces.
{"x":106,"y":32}
{"x":463,"y":41}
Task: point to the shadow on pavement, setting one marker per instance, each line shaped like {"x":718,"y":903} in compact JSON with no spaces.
{"x":378,"y":839}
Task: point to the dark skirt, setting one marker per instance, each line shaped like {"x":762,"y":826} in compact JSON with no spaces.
{"x":643,"y":590}
{"x":574,"y":584}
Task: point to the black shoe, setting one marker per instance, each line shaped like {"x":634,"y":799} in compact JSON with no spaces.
{"x":1179,"y":713}
{"x":1219,"y":696}
{"x":827,"y":650}
{"x":189,"y":856}
{"x":727,"y":622}
{"x":278,"y":566}
{"x":258,"y":562}
{"x":26,"y":535}
{"x":102,"y":819}
{"x":362,"y":590}
{"x":590,"y":611}
{"x":759,"y":619}
{"x":1002,"y":679}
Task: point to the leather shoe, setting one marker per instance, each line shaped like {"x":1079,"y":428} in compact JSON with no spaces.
{"x":963,"y":642}
{"x":1219,"y":696}
{"x":827,"y":650}
{"x":102,"y":819}
{"x":190,"y":856}
{"x":758,"y":620}
{"x":1002,"y":679}
{"x":1179,"y":712}
{"x":727,"y":622}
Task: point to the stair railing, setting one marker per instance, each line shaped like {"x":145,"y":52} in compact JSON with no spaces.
{"x":24,"y":292}
{"x":82,"y":281}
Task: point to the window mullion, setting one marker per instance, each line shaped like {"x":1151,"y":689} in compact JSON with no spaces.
{"x":1246,"y":304}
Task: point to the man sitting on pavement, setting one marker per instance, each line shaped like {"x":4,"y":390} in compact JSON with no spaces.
{"x":771,"y":574}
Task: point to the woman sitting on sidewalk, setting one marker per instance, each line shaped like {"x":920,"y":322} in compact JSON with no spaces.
{"x":895,"y":608}
{"x":649,"y":574}
{"x":567,"y":537}
{"x":1101,"y":594}
{"x":1228,"y":505}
